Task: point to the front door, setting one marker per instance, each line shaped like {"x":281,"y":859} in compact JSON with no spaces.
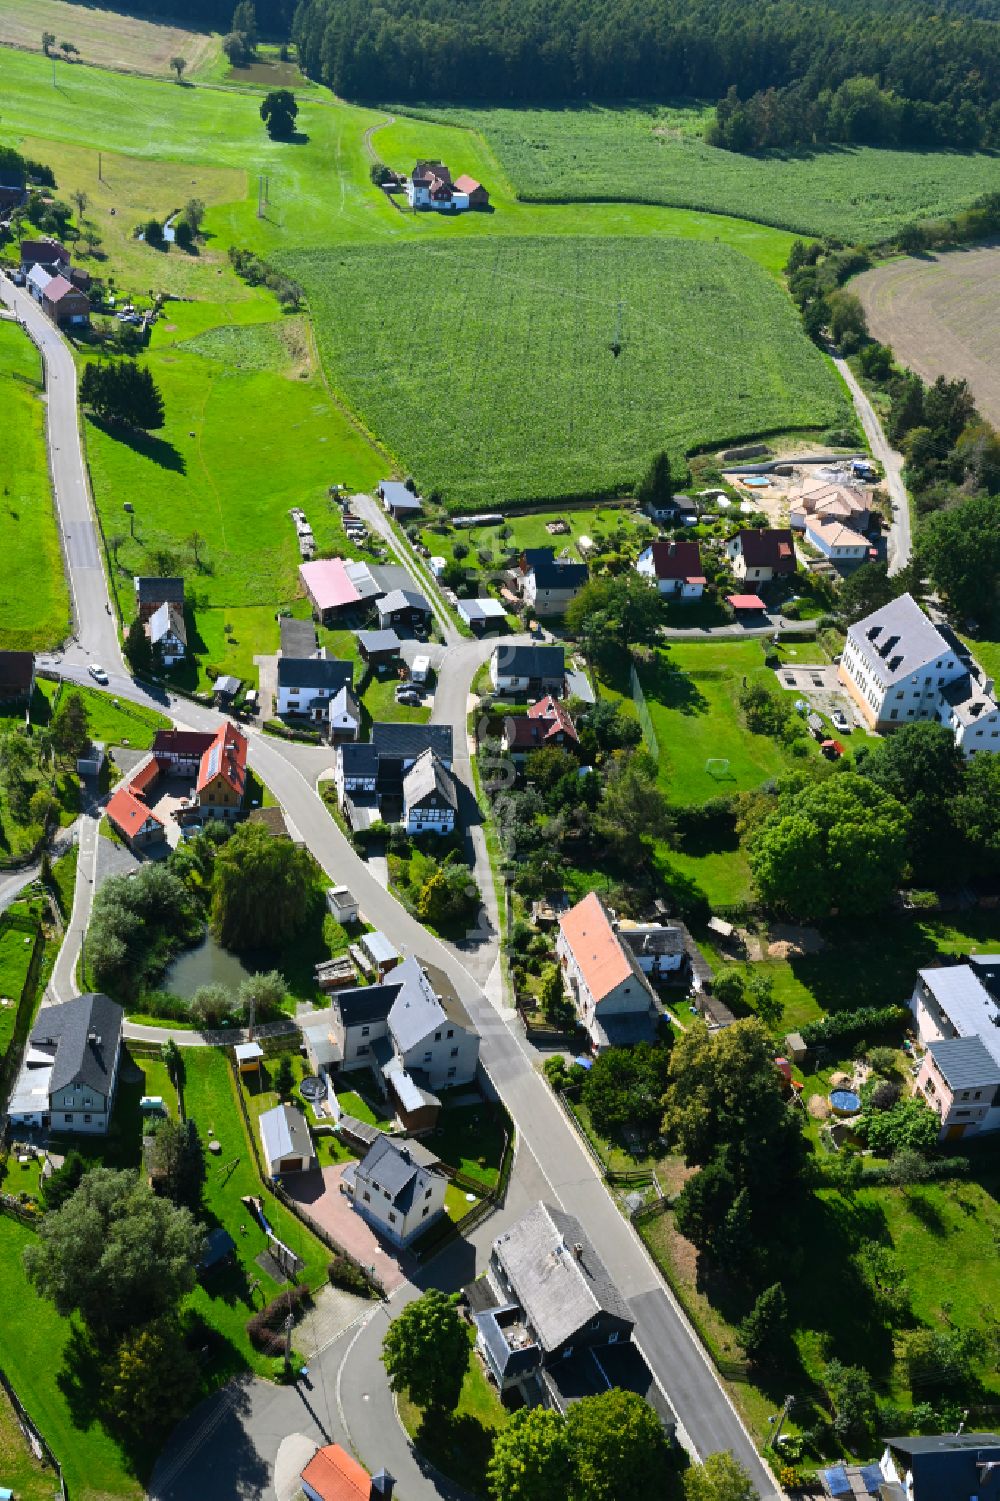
{"x":954,"y":1132}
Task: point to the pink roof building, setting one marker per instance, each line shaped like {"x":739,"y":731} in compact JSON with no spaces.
{"x":329,"y":587}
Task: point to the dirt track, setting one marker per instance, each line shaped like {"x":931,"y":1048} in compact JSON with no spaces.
{"x":941,"y":315}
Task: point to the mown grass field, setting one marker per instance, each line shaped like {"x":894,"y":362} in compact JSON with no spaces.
{"x":506,"y":388}
{"x":34,"y":599}
{"x":107,"y":37}
{"x":657,"y":155}
{"x":246,"y":438}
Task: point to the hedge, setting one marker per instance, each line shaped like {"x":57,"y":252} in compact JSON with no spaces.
{"x":266,"y":1328}
{"x":857,"y":1023}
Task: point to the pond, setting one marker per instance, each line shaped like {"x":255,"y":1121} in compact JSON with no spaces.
{"x":205,"y":964}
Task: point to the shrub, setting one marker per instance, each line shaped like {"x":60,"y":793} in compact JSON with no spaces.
{"x":884,"y":1095}
{"x":343,"y":1272}
{"x":909,"y":1167}
{"x":266,"y":1328}
{"x":852,"y":1024}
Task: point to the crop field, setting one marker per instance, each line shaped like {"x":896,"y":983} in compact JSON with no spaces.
{"x":506,"y":388}
{"x":34,"y":600}
{"x":657,"y":155}
{"x":941,"y":315}
{"x":106,"y":37}
{"x":241,"y":445}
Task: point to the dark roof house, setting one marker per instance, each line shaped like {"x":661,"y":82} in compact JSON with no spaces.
{"x":84,"y":1037}
{"x":943,"y":1467}
{"x":17,"y":676}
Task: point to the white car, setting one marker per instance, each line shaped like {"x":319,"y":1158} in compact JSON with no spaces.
{"x":97,"y":673}
{"x":839,"y":721}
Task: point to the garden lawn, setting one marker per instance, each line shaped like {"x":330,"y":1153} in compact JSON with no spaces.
{"x":529,"y":531}
{"x":64,"y":879}
{"x":215,"y":485}
{"x":34,"y":600}
{"x":117,"y":722}
{"x":471,"y":1139}
{"x":34,"y":1341}
{"x":459,"y":1443}
{"x":368,"y":1108}
{"x":549,"y":411}
{"x":16,"y":949}
{"x":657,"y":155}
{"x":226,"y":1301}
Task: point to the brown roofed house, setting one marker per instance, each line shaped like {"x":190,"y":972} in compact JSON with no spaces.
{"x":65,"y":304}
{"x":762,"y":555}
{"x":17,"y":676}
{"x":473,"y":190}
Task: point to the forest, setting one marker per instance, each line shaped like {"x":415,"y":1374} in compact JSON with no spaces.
{"x":839,"y":70}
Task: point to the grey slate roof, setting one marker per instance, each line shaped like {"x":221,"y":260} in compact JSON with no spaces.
{"x":429,"y":780}
{"x":375,"y":642}
{"x":552,"y":574}
{"x":389,"y":576}
{"x":403,"y":599}
{"x":406,"y":741}
{"x":359,"y":759}
{"x":967,"y":700}
{"x":399,"y":497}
{"x":559,"y":1289}
{"x":947,"y":1466}
{"x":389,"y":1167}
{"x":965,"y":1062}
{"x":531,"y":661}
{"x":513,"y":1360}
{"x":416,"y":1009}
{"x":168,"y":617}
{"x":84,"y":1037}
{"x":314,"y":672}
{"x":365,"y":1003}
{"x":899,"y":640}
{"x":156,"y":590}
{"x":298,"y":637}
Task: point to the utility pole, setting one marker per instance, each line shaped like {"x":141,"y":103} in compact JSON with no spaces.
{"x":779,"y":1421}
{"x":289,"y":1321}
{"x":250,"y":1020}
{"x":100,"y":168}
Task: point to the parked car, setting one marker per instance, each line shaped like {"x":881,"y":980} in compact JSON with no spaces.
{"x":411,"y":700}
{"x":840,"y":721}
{"x":97,"y":673}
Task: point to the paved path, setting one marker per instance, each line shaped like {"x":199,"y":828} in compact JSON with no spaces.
{"x":62,"y":984}
{"x":377,"y":520}
{"x":95,"y":627}
{"x":900,"y":542}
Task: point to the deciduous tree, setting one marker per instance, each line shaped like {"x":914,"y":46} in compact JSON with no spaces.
{"x":618,"y":1446}
{"x":148,"y":1381}
{"x":426,"y":1352}
{"x":278,"y":111}
{"x":720,"y":1478}
{"x":178,"y":64}
{"x":531,"y":1460}
{"x":625,"y":1086}
{"x":261,"y":889}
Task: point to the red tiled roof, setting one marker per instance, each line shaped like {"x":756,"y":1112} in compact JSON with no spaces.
{"x":768,"y":549}
{"x":677,"y":560}
{"x":182,"y":742}
{"x":144,"y":777}
{"x":554,"y":715}
{"x":745,"y":602}
{"x":467,"y":184}
{"x":58,"y":288}
{"x":335,"y":1476}
{"x":225,"y":756}
{"x":595,"y":946}
{"x":329,"y":583}
{"x":128,"y":813}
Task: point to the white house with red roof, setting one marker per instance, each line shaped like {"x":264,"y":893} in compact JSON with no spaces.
{"x":761,"y":556}
{"x":674,"y":567}
{"x":546,"y":723}
{"x":429,"y":186}
{"x":611,"y":995}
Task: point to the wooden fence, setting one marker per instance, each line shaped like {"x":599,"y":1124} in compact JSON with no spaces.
{"x":32,"y":1434}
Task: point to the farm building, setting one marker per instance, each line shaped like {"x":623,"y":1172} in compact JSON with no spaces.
{"x":44,"y":252}
{"x":430,"y":186}
{"x":482,"y":615}
{"x":398,"y":499}
{"x":151,"y":593}
{"x":168,"y":633}
{"x":135,"y":821}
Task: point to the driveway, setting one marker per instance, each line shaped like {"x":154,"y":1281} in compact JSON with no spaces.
{"x":318,"y":1193}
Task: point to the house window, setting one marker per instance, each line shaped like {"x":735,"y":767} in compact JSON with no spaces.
{"x":929,"y":1086}
{"x":451,"y":1073}
{"x":68,"y":1118}
{"x":978,"y":1094}
{"x":613,"y":1338}
{"x":365,"y":1031}
{"x":362,"y":1048}
{"x":427,"y":1194}
{"x":428,"y":1056}
{"x":437,"y":1036}
{"x":965,"y":1094}
{"x":367,"y":1196}
{"x":87,"y":1120}
{"x":454,"y":1053}
{"x":392,"y":1218}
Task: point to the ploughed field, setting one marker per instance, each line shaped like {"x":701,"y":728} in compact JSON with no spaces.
{"x":489,"y":369}
{"x":657,"y":155}
{"x":941,"y":315}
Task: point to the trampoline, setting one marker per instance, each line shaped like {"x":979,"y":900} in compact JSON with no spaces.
{"x":312,"y":1088}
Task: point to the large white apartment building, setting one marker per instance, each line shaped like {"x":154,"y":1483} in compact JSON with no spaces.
{"x":898,"y":666}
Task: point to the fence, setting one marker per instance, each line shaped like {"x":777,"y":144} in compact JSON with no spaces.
{"x":22,"y":1016}
{"x":32,"y":1434}
{"x":446,"y":1230}
{"x":643,"y":715}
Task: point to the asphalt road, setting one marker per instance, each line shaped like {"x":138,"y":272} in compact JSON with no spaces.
{"x":95,"y":636}
{"x":705,"y":1415}
{"x":900,"y":541}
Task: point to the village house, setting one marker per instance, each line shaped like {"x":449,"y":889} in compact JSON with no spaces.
{"x":956,"y":1011}
{"x":529,"y":670}
{"x":546,"y":723}
{"x":430,"y":798}
{"x":128,"y":811}
{"x":332,"y":1475}
{"x":611,"y":995}
{"x":17,"y":677}
{"x":306,"y":685}
{"x":957,"y":1466}
{"x":482,"y":615}
{"x":151,"y":593}
{"x":819,"y":500}
{"x":659,"y":949}
{"x":369,"y":775}
{"x":674,"y":567}
{"x":397,"y":1187}
{"x":168,"y":633}
{"x":409,"y":1028}
{"x":898,"y":667}
{"x":547,"y":583}
{"x":551,"y":1325}
{"x":47,"y":253}
{"x":763,"y":555}
{"x":217,"y":761}
{"x":69,"y":1075}
{"x":430,"y":186}
{"x":836,"y":541}
{"x":64,"y":303}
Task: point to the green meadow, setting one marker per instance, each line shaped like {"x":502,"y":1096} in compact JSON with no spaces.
{"x":34,"y":599}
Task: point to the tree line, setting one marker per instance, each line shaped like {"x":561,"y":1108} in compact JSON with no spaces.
{"x":860,"y":70}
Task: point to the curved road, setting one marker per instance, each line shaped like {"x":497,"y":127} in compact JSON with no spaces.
{"x":706,"y":1417}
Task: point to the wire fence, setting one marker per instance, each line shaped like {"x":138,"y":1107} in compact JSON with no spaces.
{"x":644,"y":716}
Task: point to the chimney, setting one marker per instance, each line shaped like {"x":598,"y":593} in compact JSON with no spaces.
{"x":381,"y":1486}
{"x":578,"y":1251}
